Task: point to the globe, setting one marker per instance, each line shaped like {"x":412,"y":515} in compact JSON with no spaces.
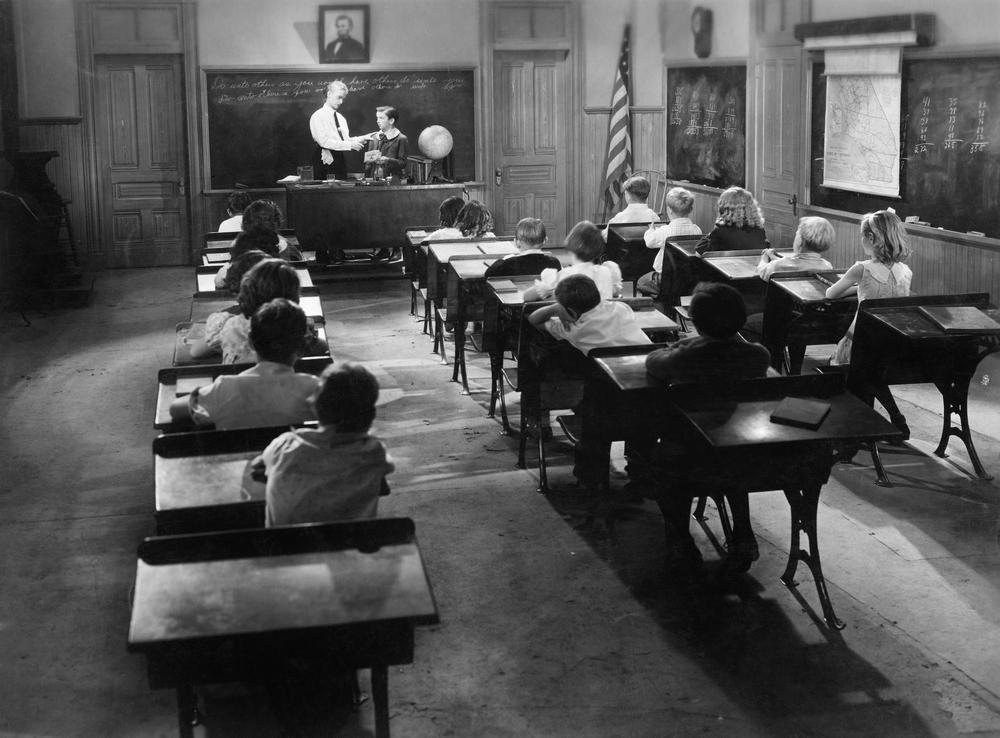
{"x":435,"y":142}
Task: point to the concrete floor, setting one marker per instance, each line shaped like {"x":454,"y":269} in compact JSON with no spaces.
{"x":548,"y":627}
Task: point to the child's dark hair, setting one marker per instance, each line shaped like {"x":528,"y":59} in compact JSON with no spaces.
{"x":267,"y":280}
{"x":475,"y":219}
{"x":577,"y":293}
{"x":240,"y":266}
{"x":717,"y":310}
{"x":255,"y":239}
{"x":584,"y":240}
{"x":238,"y":201}
{"x":449,"y":210}
{"x":262,"y":214}
{"x":278,"y":331}
{"x":346,"y":398}
{"x":530,"y":231}
{"x":638,"y":187}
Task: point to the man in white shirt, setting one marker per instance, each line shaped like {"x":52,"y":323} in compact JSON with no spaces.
{"x":332,"y":136}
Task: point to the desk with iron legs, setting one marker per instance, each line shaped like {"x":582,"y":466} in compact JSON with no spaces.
{"x":741,"y":449}
{"x":895,"y":343}
{"x":238,"y":605}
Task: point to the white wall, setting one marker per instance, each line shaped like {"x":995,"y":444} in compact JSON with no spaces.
{"x":48,"y":84}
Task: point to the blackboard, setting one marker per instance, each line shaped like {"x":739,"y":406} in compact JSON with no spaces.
{"x":706,"y":124}
{"x":258,"y":121}
{"x":949,"y":146}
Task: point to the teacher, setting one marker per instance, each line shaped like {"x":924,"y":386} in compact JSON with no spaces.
{"x":387,"y":149}
{"x":331,"y":134}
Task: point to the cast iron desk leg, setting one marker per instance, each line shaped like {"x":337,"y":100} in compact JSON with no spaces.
{"x":955,"y":394}
{"x":187,"y":710}
{"x":803,"y":503}
{"x":380,"y":698}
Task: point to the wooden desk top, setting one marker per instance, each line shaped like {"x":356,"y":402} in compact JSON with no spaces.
{"x":208,"y":479}
{"x":204,"y":305}
{"x":685,"y":248}
{"x":512,"y":297}
{"x":204,"y":599}
{"x":628,"y":371}
{"x":444,"y":250}
{"x":810,"y":289}
{"x":910,"y":323}
{"x":734,"y":265}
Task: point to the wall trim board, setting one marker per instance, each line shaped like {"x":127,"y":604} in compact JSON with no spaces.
{"x":54,"y":121}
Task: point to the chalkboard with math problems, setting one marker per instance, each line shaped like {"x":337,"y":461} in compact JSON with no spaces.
{"x":949,"y":146}
{"x":706,"y":124}
{"x":258,"y":120}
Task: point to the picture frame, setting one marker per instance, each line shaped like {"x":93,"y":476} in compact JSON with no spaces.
{"x":344,"y":34}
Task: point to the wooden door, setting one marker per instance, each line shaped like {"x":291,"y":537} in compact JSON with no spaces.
{"x":779,"y":139}
{"x":531,"y":132}
{"x":139,"y":113}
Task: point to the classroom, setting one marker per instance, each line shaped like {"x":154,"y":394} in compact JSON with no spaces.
{"x":519,"y":579}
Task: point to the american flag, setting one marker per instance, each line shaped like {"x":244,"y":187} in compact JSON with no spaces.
{"x":619,"y":161}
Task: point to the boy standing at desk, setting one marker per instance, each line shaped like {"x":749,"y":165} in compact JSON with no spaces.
{"x":268,"y":393}
{"x":716,"y":354}
{"x":335,"y":472}
{"x":636,"y":191}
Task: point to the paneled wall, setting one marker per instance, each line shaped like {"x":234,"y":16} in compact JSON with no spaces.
{"x":67,"y":172}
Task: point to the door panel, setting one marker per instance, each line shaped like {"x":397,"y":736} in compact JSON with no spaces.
{"x":531,"y":123}
{"x":141,"y":160}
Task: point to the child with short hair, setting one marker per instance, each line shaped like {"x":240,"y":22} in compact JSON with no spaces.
{"x":813,"y":237}
{"x":679,"y":203}
{"x":582,"y":318}
{"x":259,"y":230}
{"x":585,"y":243}
{"x":883,"y":274}
{"x":236,"y":203}
{"x":739,"y":225}
{"x":529,"y":237}
{"x":335,"y":472}
{"x":635,"y":193}
{"x":267,"y":394}
{"x":716,"y":354}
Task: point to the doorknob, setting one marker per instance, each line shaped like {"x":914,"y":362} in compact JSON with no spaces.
{"x":181,"y":189}
{"x":498,"y":176}
{"x":794,"y":201}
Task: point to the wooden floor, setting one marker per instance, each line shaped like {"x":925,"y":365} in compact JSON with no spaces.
{"x":549,"y":626}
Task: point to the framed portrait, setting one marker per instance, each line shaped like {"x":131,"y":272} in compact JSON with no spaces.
{"x":343,"y":34}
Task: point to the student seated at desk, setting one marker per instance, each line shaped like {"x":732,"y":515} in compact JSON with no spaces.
{"x":739,"y":225}
{"x":447,"y":215}
{"x":717,"y":354}
{"x":679,"y":203}
{"x":883,"y":274}
{"x":236,"y":203}
{"x":228,"y":334}
{"x":813,"y":237}
{"x":636,"y":192}
{"x":582,"y":318}
{"x":335,"y":472}
{"x":261,"y":221}
{"x":529,"y":237}
{"x":584,"y":242}
{"x":267,"y":394}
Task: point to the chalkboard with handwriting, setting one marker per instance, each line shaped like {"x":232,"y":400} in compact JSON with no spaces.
{"x":706,"y":124}
{"x":258,"y":121}
{"x":949,"y":146}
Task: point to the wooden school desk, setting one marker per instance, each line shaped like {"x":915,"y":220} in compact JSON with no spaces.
{"x":185,"y":333}
{"x":746,"y":451}
{"x":465,"y":301}
{"x":205,"y":275}
{"x":738,"y":268}
{"x":204,"y":304}
{"x":182,"y":379}
{"x":626,"y":246}
{"x":238,"y":605}
{"x":797,"y":314}
{"x":895,"y":343}
{"x":439,"y":253}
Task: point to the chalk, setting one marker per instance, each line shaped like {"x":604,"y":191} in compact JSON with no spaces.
{"x":912,"y":218}
{"x":974,"y":233}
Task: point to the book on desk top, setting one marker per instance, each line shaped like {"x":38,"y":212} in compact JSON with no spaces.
{"x":802,"y":412}
{"x":503,"y":285}
{"x":187,"y":385}
{"x":960,"y":318}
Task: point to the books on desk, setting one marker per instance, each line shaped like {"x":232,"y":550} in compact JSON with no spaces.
{"x":960,"y":318}
{"x":802,"y":412}
{"x":503,"y":285}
